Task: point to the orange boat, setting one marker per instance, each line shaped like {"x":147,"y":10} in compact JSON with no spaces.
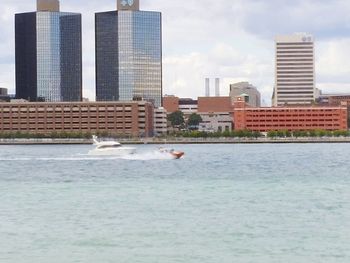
{"x":177,"y":155}
{"x":174,"y":154}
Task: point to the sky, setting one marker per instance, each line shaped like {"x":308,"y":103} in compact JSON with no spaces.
{"x":229,"y":39}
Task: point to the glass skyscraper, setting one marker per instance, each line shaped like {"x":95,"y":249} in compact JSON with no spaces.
{"x":129,"y":54}
{"x":48,"y":54}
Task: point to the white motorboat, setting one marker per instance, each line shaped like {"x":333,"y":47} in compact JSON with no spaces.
{"x":112,"y":148}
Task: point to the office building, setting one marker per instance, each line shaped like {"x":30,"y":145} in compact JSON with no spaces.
{"x":293,"y":118}
{"x":48,"y":54}
{"x":254,"y":96}
{"x":295,"y":70}
{"x":129,"y":54}
{"x":133,"y":118}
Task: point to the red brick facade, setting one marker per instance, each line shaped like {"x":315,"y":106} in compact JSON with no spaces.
{"x":289,"y":118}
{"x":215,"y":104}
{"x":171,"y":103}
{"x":124,"y":118}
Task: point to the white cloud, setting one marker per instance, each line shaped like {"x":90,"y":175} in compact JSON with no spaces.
{"x":232,"y":40}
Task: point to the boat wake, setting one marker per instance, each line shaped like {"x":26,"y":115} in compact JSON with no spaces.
{"x":145,"y":156}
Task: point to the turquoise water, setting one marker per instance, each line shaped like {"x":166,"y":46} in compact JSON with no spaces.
{"x":222,"y":203}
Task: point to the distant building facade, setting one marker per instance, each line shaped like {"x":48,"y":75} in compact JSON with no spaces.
{"x":333,"y":99}
{"x":160,"y":121}
{"x":214,"y":104}
{"x":295,"y":70}
{"x":254,"y":96}
{"x":216,"y":122}
{"x":216,"y":113}
{"x":129,"y":54}
{"x":186,"y":105}
{"x":294,"y":118}
{"x":48,"y":54}
{"x":119,"y":118}
{"x":3,"y":92}
{"x":4,"y":97}
{"x":171,"y":103}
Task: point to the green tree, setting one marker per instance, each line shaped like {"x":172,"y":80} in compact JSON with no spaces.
{"x":176,"y":118}
{"x":281,"y":133}
{"x":272,"y":134}
{"x":194,"y":120}
{"x":312,"y":133}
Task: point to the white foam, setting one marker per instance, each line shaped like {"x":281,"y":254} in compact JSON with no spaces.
{"x":145,"y":156}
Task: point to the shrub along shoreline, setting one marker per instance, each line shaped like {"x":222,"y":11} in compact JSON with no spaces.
{"x":271,"y":134}
{"x":185,"y":134}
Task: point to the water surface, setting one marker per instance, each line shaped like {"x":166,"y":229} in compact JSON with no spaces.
{"x":221,"y":203}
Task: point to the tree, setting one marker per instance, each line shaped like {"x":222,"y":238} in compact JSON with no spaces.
{"x":176,"y":118}
{"x":194,"y":120}
{"x":272,"y":134}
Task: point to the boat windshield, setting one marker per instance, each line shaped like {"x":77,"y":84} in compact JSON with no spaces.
{"x":109,"y":146}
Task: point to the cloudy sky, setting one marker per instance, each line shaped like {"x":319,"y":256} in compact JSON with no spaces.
{"x":230,"y":39}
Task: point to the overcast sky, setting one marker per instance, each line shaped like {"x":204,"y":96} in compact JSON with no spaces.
{"x":230,"y":39}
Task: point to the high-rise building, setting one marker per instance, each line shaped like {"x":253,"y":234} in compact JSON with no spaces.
{"x":129,"y":54}
{"x":295,"y":70}
{"x":48,"y":54}
{"x":245,"y":88}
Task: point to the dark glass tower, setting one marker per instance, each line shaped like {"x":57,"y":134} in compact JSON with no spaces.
{"x":48,"y":54}
{"x":129,"y":54}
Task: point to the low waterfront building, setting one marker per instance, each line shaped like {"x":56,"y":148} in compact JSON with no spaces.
{"x":216,"y":113}
{"x":160,"y":121}
{"x":216,"y":122}
{"x":298,"y":118}
{"x":133,"y":118}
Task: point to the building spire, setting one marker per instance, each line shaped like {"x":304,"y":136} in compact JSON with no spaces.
{"x":48,"y":5}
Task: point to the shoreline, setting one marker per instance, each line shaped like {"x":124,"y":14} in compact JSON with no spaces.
{"x":179,"y":141}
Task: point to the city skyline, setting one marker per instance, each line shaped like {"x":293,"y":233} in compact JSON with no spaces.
{"x":195,"y":47}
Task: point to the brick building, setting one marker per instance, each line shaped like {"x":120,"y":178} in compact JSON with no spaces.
{"x":119,"y":118}
{"x":289,"y":118}
{"x":214,"y":104}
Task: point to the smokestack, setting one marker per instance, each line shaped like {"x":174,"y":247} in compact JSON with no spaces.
{"x":48,"y":5}
{"x":207,"y":87}
{"x":217,"y":87}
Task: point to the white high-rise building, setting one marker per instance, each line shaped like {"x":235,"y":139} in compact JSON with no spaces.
{"x":295,"y":70}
